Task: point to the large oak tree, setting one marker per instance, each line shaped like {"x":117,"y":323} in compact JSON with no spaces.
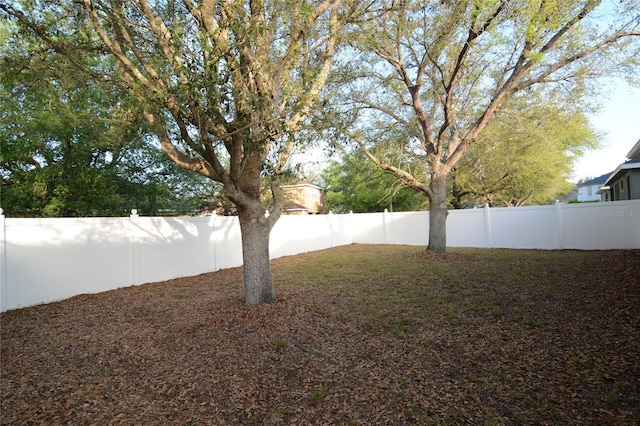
{"x":225,"y":85}
{"x":438,"y":71}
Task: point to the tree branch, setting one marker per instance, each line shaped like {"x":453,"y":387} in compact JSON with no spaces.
{"x":401,"y":174}
{"x":184,"y":161}
{"x":473,"y":34}
{"x":131,"y":72}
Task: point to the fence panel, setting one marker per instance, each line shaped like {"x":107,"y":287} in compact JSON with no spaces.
{"x":532,"y":227}
{"x":468,"y":228}
{"x":227,"y":242}
{"x":410,"y":228}
{"x":288,"y":236}
{"x":52,"y":259}
{"x":173,"y":247}
{"x":44,"y":260}
{"x":367,"y":228}
{"x":601,"y":226}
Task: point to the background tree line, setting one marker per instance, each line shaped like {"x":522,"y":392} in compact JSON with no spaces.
{"x":71,"y":147}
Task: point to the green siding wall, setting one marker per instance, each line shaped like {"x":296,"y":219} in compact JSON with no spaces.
{"x":626,"y":186}
{"x":635,"y":184}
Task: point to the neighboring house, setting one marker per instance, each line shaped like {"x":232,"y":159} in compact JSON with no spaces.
{"x":588,"y":191}
{"x":303,"y":198}
{"x":624,"y":182}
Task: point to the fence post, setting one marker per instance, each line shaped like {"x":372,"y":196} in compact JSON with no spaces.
{"x":213,"y":238}
{"x":331,"y":228}
{"x":135,"y":250}
{"x":487,"y":225}
{"x":3,"y":263}
{"x":385,"y":225}
{"x":557,"y":226}
{"x":349,"y":226}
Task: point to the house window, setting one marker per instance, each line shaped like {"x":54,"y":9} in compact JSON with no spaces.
{"x":588,"y":190}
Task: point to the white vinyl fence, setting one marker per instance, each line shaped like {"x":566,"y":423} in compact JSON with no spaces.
{"x":44,"y":260}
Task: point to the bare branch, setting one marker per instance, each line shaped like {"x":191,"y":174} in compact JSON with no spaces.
{"x":184,"y":161}
{"x":562,"y":64}
{"x":473,"y":34}
{"x":132,"y":73}
{"x":163,"y":35}
{"x":408,"y":178}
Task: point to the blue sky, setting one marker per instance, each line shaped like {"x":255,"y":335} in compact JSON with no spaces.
{"x":619,"y":122}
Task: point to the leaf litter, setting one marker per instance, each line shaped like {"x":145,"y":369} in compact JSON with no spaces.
{"x":359,"y":335}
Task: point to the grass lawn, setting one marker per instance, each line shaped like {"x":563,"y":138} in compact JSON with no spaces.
{"x":359,"y":335}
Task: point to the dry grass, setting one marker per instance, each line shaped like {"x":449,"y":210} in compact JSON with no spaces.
{"x":359,"y":335}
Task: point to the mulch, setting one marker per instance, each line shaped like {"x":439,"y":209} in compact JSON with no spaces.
{"x":188,"y":352}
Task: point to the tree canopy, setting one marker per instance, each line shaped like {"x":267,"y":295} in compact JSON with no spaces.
{"x":70,"y":147}
{"x":224,"y":85}
{"x":525,"y":155}
{"x":431,"y":75}
{"x":354,"y":183}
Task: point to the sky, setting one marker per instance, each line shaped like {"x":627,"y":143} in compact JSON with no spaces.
{"x":619,"y":123}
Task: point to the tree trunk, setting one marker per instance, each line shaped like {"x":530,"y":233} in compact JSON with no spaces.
{"x":438,"y":213}
{"x":255,"y":230}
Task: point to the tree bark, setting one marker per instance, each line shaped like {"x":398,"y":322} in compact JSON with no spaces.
{"x":255,"y":230}
{"x":438,"y":213}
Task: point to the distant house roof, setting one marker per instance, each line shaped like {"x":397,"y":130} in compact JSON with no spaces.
{"x":303,"y":183}
{"x":294,"y":207}
{"x":635,"y":151}
{"x":634,"y":163}
{"x":596,"y":181}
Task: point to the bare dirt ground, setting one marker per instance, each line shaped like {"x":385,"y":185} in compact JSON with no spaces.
{"x":359,"y":335}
